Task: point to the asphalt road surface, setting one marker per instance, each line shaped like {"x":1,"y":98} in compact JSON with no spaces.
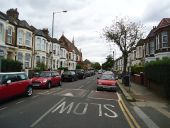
{"x":73,"y":105}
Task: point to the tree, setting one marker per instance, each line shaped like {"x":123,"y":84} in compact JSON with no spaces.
{"x":125,"y":34}
{"x":108,"y":65}
{"x":96,"y":65}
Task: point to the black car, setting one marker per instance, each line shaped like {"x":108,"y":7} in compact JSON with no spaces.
{"x":69,"y":76}
{"x":80,"y":73}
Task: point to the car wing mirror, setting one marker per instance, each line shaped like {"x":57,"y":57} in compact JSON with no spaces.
{"x":8,"y":81}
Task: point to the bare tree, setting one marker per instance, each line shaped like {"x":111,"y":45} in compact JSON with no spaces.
{"x":125,"y":34}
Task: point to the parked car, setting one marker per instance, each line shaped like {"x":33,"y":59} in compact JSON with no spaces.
{"x":47,"y":79}
{"x":14,"y":83}
{"x":106,"y":82}
{"x":80,"y":73}
{"x":69,"y":76}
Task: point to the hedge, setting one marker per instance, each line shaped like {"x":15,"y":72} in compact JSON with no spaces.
{"x":8,"y":65}
{"x":159,"y":72}
{"x":136,"y":69}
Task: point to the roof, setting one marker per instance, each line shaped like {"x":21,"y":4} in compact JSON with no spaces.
{"x":151,"y":33}
{"x":3,"y":16}
{"x":164,"y":23}
{"x":39,"y":32}
{"x":24,"y":24}
{"x":141,"y":42}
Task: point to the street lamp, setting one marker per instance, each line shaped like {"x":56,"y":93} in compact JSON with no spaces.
{"x":52,"y":33}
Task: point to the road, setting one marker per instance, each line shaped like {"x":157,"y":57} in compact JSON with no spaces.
{"x":73,"y":105}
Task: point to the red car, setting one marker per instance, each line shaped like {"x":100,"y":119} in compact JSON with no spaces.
{"x":14,"y":83}
{"x":47,"y":79}
{"x":106,"y":82}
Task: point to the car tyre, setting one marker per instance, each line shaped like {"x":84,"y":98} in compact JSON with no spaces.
{"x":29,"y":91}
{"x":60,"y":83}
{"x":49,"y":85}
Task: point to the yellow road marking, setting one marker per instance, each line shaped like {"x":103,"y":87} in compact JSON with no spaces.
{"x":130,"y":119}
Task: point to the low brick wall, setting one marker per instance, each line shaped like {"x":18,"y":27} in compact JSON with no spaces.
{"x":136,"y":78}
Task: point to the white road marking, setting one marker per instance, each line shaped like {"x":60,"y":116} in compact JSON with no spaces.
{"x":81,"y":87}
{"x":43,"y":92}
{"x":84,"y":110}
{"x":20,"y":101}
{"x":35,"y":96}
{"x":68,"y":94}
{"x":3,"y":108}
{"x":145,"y":118}
{"x":46,"y":113}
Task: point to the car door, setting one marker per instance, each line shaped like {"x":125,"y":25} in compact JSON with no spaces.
{"x":55,"y":78}
{"x":7,"y":89}
{"x":22,"y":83}
{"x":4,"y":88}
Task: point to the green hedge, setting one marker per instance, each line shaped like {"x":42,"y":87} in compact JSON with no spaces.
{"x":8,"y":65}
{"x":136,"y":69}
{"x":159,"y":72}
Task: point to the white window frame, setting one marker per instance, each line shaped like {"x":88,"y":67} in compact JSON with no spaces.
{"x":20,"y":58}
{"x":38,"y":43}
{"x":9,"y":35}
{"x":20,"y":37}
{"x":37,"y":57}
{"x":164,"y":35}
{"x":43,"y":59}
{"x":28,"y":39}
{"x":152,"y":49}
{"x":1,"y":31}
{"x":27,"y":60}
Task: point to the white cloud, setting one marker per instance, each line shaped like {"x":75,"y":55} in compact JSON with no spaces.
{"x":85,"y":19}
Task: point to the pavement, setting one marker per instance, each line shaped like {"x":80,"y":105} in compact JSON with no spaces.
{"x":154,"y":109}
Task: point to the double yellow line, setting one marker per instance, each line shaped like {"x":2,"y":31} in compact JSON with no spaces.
{"x":130,"y":119}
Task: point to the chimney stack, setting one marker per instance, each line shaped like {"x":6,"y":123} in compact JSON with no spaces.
{"x":13,"y":13}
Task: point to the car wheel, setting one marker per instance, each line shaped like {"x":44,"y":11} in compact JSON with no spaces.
{"x":72,"y":79}
{"x":49,"y":85}
{"x":60,"y":83}
{"x":29,"y":91}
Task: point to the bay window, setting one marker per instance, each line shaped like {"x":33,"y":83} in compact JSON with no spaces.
{"x":28,"y":39}
{"x":164,"y":39}
{"x":27,"y":60}
{"x":9,"y":35}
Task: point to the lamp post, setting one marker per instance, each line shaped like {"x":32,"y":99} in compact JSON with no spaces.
{"x":52,"y":33}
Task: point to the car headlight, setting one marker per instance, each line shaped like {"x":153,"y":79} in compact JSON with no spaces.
{"x":99,"y":83}
{"x":45,"y":80}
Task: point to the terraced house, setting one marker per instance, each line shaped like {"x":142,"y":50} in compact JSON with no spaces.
{"x":29,"y":45}
{"x":154,"y":47}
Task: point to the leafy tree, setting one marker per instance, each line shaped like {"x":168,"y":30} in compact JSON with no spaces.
{"x":108,"y":65}
{"x":78,"y":66}
{"x":40,"y":67}
{"x":125,"y":35}
{"x":96,"y":65}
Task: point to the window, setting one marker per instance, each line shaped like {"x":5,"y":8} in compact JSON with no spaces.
{"x":147,"y":49}
{"x":38,"y":44}
{"x":54,"y":49}
{"x":152,"y":50}
{"x":28,"y":39}
{"x":27,"y":60}
{"x":20,"y":37}
{"x":54,"y":64}
{"x":1,"y":31}
{"x":43,"y":45}
{"x":157,"y":42}
{"x":20,"y":57}
{"x":43,"y":59}
{"x":164,"y":39}
{"x":21,"y":77}
{"x":9,"y":34}
{"x":37,"y":59}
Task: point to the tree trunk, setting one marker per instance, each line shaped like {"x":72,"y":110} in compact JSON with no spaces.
{"x":125,"y":57}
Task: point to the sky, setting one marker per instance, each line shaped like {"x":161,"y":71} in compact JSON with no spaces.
{"x":86,"y":19}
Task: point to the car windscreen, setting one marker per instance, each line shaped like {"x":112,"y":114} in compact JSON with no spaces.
{"x":67,"y":73}
{"x":107,"y":77}
{"x":45,"y":74}
{"x":1,"y":79}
